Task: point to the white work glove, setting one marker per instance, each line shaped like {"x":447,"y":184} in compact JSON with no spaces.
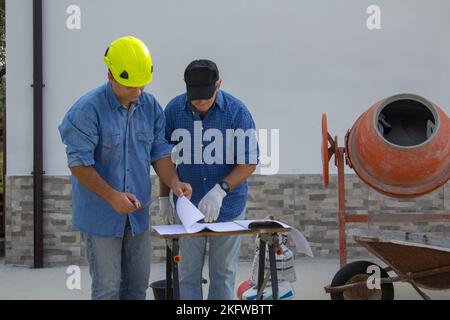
{"x":165,"y":210}
{"x":211,"y":203}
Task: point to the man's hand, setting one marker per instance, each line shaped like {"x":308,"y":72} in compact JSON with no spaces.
{"x":167,"y":173}
{"x":182,"y":189}
{"x":166,"y":210}
{"x":211,"y":203}
{"x":124,"y":202}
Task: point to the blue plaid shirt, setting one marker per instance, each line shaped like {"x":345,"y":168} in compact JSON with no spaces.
{"x":120,"y":144}
{"x":226,"y":113}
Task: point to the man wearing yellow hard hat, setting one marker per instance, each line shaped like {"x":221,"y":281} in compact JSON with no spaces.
{"x":113,"y":134}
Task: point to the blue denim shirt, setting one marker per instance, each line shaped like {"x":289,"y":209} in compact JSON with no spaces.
{"x":227,"y":113}
{"x":120,"y":144}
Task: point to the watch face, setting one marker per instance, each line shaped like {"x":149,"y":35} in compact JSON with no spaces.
{"x":225,"y":186}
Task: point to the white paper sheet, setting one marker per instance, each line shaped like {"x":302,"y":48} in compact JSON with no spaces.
{"x":223,"y":226}
{"x":187,"y":212}
{"x":170,"y":229}
{"x":301,"y":244}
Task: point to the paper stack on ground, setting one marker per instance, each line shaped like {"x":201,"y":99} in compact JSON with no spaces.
{"x":190,"y":215}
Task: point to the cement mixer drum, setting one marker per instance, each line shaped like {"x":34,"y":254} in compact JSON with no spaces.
{"x":401,"y":146}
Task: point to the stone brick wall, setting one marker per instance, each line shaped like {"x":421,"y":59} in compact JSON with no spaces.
{"x":19,"y":220}
{"x":2,"y":236}
{"x":299,"y":200}
{"x":62,"y":243}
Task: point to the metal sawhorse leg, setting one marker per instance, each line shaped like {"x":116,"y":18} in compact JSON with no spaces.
{"x":273,"y":242}
{"x":172,"y":279}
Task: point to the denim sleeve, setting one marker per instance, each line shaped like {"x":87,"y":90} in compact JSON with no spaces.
{"x":250,"y":154}
{"x":160,"y":148}
{"x":80,"y":135}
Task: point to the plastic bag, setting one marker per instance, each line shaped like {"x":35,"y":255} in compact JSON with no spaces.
{"x":284,"y":262}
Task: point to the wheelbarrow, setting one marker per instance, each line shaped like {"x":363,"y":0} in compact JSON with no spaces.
{"x":418,"y":259}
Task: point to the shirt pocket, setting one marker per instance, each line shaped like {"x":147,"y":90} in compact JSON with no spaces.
{"x":110,"y":148}
{"x":144,"y":145}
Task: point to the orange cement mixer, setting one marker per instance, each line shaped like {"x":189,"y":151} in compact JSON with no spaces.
{"x":401,"y":146}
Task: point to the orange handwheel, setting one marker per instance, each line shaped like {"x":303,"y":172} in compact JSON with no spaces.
{"x":177,"y":259}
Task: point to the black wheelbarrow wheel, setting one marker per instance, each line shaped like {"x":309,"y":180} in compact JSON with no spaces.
{"x":356,"y":272}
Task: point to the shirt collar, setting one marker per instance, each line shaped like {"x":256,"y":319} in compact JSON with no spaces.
{"x":219,"y":102}
{"x":114,"y":103}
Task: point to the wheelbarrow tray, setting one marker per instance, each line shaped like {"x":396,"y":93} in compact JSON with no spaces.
{"x":408,"y":253}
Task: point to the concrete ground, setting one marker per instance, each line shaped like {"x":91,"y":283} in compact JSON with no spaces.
{"x":50,"y":283}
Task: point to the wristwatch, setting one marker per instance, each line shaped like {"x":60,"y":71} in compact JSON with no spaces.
{"x":224,"y":185}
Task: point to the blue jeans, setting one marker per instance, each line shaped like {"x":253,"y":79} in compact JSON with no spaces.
{"x":223,"y":258}
{"x":119,"y":267}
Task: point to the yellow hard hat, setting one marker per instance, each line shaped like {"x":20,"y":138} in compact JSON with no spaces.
{"x":129,"y":61}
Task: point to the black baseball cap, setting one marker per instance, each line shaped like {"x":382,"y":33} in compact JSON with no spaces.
{"x":201,"y":77}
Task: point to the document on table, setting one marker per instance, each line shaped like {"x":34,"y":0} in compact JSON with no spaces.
{"x":197,"y":227}
{"x":189,"y":216}
{"x":216,"y":227}
{"x":188,"y":213}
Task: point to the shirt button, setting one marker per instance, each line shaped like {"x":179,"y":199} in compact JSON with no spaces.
{"x":204,"y":179}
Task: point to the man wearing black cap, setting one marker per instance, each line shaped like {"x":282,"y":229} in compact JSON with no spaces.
{"x":218,"y":176}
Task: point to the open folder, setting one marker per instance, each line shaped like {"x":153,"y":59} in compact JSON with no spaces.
{"x":236,"y":225}
{"x":190,"y":215}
